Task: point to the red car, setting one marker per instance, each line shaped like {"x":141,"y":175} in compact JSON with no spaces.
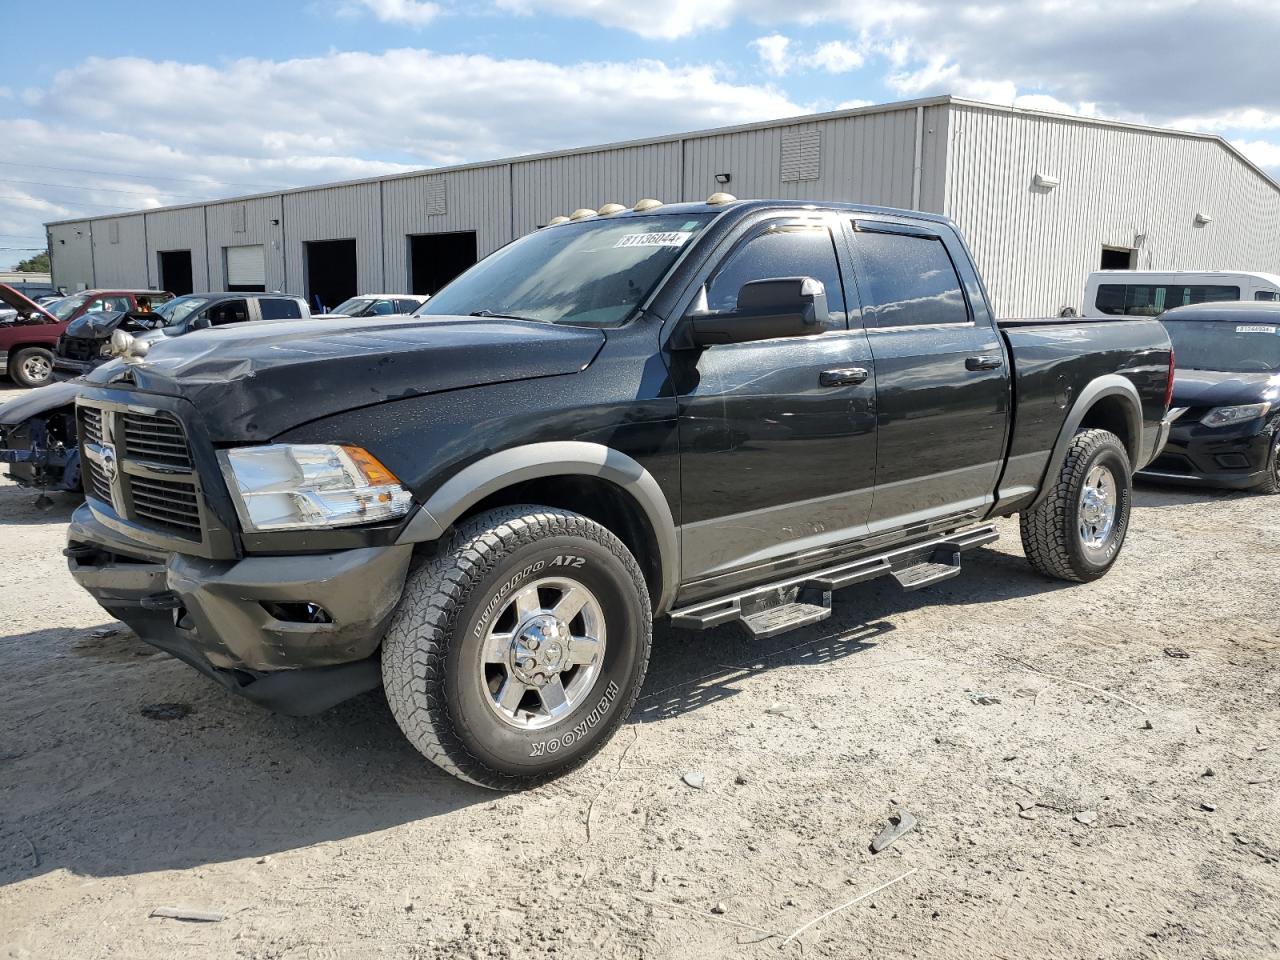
{"x":27,"y":339}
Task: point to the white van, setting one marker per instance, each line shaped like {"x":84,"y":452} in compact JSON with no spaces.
{"x":1149,"y":293}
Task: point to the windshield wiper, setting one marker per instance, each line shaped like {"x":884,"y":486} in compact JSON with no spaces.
{"x":504,"y":316}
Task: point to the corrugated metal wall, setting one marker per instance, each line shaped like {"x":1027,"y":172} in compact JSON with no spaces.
{"x":71,"y":250}
{"x":243,"y":222}
{"x":866,"y":158}
{"x":559,"y":185}
{"x":120,"y":252}
{"x":1119,"y":187}
{"x":476,"y":199}
{"x":178,"y":230}
{"x":353,"y":211}
{"x":861,"y":159}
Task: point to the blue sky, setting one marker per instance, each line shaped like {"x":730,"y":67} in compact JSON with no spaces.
{"x":131,"y":105}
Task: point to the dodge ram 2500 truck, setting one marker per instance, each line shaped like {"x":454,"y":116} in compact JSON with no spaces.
{"x":714,"y":412}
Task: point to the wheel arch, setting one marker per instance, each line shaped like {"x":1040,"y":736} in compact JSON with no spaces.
{"x":588,"y":478}
{"x":1109,"y":403}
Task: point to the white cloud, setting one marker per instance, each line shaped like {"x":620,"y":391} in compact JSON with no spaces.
{"x":772,"y":51}
{"x":836,"y":56}
{"x":257,"y":124}
{"x":1262,"y":152}
{"x":410,"y":13}
{"x":664,"y":19}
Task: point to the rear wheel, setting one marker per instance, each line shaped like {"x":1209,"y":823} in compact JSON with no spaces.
{"x":1077,"y":531}
{"x":32,"y":367}
{"x":518,"y":647}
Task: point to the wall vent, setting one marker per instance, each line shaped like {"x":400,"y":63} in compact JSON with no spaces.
{"x":801,"y":155}
{"x":434,"y":196}
{"x":237,"y":218}
{"x":113,"y":231}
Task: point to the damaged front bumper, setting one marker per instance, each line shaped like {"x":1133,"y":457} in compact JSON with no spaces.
{"x":297,"y":634}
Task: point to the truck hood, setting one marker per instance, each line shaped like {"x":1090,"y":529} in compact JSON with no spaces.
{"x":254,"y":381}
{"x":1213,"y":388}
{"x":43,"y":400}
{"x":10,"y":297}
{"x":38,"y":402}
{"x":99,"y":326}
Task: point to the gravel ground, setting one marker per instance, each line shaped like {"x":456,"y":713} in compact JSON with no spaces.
{"x":1134,"y":718}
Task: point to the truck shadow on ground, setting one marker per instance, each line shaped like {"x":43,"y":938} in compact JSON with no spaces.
{"x":93,"y":786}
{"x":690,"y":670}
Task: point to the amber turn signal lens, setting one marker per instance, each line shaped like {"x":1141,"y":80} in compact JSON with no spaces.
{"x":370,"y":466}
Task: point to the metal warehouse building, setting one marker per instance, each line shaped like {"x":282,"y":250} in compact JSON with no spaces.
{"x":1043,"y":199}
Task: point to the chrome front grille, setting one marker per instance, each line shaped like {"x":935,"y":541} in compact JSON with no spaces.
{"x":91,"y":424}
{"x":157,"y":438}
{"x":170,"y":504}
{"x":139,"y":464}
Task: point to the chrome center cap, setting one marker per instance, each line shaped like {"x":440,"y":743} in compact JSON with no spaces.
{"x":538,"y":649}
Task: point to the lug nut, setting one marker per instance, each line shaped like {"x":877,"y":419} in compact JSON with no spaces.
{"x":532,"y":643}
{"x":528,"y":664}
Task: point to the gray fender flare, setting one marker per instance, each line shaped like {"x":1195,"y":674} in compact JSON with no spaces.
{"x":1110,"y":385}
{"x":566,"y":457}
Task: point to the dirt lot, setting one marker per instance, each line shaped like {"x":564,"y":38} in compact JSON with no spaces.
{"x":330,"y":838}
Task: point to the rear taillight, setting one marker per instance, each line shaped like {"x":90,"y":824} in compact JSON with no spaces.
{"x":1168,"y":390}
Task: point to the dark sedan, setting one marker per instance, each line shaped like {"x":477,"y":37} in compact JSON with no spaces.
{"x":1228,"y":389}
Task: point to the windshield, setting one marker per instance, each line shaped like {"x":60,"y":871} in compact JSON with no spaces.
{"x":1233,"y":347}
{"x":64,"y":308}
{"x":353,"y":307}
{"x":591,"y":273}
{"x":176,"y":310}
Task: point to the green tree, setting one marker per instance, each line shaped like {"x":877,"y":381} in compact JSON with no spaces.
{"x":37,"y":264}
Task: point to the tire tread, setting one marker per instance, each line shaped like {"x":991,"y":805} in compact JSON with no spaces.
{"x":417,"y":641}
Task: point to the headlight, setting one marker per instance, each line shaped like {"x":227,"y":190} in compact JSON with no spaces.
{"x":1224,"y":416}
{"x":290,"y":486}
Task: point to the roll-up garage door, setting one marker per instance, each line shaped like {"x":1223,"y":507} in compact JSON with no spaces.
{"x":246,"y":267}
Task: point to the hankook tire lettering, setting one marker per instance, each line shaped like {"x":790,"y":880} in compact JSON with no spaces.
{"x":544,"y":747}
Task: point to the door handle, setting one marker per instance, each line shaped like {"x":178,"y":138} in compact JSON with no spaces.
{"x":843,"y":377}
{"x":984,"y":363}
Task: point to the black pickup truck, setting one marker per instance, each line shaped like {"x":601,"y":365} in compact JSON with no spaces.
{"x":715,"y":412}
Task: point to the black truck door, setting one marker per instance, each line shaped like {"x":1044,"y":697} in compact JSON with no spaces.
{"x":942,"y":384}
{"x":777,"y":437}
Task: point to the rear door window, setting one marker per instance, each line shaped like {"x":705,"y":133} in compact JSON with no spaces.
{"x":282,"y":309}
{"x":907,"y":279}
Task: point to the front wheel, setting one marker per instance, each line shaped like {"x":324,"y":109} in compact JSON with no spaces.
{"x":1077,"y":530}
{"x":32,"y":367}
{"x":1271,"y":483}
{"x":518,"y":647}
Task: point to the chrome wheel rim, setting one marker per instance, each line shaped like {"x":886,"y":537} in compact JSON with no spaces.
{"x":543,"y":653}
{"x":1099,"y":498}
{"x":37,"y":367}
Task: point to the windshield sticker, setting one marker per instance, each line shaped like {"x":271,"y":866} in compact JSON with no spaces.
{"x":672,"y":238}
{"x":1255,"y":328}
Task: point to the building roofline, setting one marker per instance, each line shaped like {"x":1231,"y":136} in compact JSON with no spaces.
{"x":870,"y":109}
{"x":1124,"y":125}
{"x":533,"y":157}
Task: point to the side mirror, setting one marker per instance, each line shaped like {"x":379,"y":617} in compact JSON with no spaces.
{"x":767,"y":309}
{"x":201,"y":322}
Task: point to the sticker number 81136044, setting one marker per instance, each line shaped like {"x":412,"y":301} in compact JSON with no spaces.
{"x":554,"y":745}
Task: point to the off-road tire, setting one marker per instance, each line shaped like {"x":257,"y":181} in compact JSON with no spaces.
{"x":1271,"y":484}
{"x":431,"y":646}
{"x":1050,"y":531}
{"x":19,"y":360}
